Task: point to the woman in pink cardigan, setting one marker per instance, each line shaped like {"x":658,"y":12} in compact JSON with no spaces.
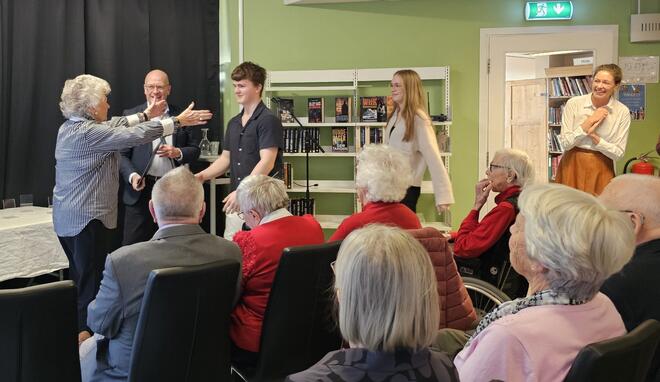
{"x":565,"y":243}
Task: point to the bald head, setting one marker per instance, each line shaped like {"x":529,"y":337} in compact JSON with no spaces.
{"x":156,"y":86}
{"x":640,"y":194}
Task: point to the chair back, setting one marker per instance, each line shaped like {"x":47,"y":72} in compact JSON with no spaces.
{"x":456,"y":310}
{"x":625,"y":358}
{"x":299,"y":328}
{"x":8,"y":203}
{"x":38,"y":333}
{"x":183,"y":329}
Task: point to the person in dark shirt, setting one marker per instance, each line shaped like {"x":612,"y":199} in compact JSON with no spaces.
{"x":253,"y":140}
{"x":635,"y":290}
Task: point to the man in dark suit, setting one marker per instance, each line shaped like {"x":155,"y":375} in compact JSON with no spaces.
{"x":177,"y":205}
{"x":635,"y":289}
{"x":168,"y":153}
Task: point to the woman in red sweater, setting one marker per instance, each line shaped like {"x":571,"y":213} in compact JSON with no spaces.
{"x":383,"y":175}
{"x":263,"y":201}
{"x":509,"y":171}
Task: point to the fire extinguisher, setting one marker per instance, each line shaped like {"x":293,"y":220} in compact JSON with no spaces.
{"x":642,"y":167}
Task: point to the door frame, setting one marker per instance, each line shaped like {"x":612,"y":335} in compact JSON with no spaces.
{"x":610,"y":32}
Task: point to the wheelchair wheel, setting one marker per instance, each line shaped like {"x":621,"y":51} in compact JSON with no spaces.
{"x":485,"y":297}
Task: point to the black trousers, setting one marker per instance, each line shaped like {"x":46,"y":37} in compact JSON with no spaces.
{"x":86,"y":253}
{"x":139,"y":225}
{"x":411,"y":198}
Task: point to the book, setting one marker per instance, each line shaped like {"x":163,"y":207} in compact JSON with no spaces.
{"x":343,"y":109}
{"x":315,"y":110}
{"x":369,"y":109}
{"x":340,"y":139}
{"x":381,"y":109}
{"x":285,"y":110}
{"x":390,"y":106}
{"x":288,"y":175}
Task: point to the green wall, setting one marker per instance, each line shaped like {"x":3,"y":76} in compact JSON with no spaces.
{"x":409,"y":33}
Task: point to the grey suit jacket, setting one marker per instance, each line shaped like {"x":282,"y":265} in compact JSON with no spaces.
{"x":115,"y":311}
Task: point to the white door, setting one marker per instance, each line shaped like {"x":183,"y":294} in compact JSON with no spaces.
{"x":496,"y":43}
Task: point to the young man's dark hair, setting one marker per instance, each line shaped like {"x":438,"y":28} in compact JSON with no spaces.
{"x":250,"y":71}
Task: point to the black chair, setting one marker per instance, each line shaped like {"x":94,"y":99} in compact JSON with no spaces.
{"x":626,"y":358}
{"x":183,"y":328}
{"x":298,"y":328}
{"x":39,"y":334}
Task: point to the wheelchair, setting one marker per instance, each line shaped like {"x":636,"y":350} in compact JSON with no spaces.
{"x":490,"y":283}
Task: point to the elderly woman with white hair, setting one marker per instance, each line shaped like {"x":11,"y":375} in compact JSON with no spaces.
{"x":509,"y":172}
{"x":382,"y":177}
{"x":263,"y":201}
{"x":388,"y":312}
{"x":565,"y":243}
{"x":87,"y":175}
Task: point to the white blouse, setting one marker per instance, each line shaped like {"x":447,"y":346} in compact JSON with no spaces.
{"x":423,"y":151}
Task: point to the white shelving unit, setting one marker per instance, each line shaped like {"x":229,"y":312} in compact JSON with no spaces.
{"x":318,"y":83}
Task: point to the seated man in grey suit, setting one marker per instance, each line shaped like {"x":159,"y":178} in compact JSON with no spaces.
{"x":177,"y":205}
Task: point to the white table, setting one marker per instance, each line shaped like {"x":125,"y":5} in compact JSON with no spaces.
{"x":28,"y":244}
{"x":213,"y":183}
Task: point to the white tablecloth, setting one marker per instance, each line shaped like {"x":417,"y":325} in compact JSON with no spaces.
{"x":28,"y":244}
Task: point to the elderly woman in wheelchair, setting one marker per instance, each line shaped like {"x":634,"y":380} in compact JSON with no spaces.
{"x":481,"y":247}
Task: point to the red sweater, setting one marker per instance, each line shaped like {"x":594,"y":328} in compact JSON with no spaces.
{"x":395,"y":214}
{"x":262,"y":248}
{"x":474,"y":238}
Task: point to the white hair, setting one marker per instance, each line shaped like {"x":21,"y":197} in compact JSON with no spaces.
{"x":262,"y":194}
{"x":384,"y":172}
{"x":81,"y":94}
{"x":517,"y":162}
{"x":574,"y":236}
{"x":386,"y":290}
{"x":177,"y":195}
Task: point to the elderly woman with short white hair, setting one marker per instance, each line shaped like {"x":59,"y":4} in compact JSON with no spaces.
{"x":388,"y":312}
{"x":87,"y":176}
{"x":488,"y":240}
{"x":565,"y":243}
{"x":382,"y":178}
{"x":263,"y":201}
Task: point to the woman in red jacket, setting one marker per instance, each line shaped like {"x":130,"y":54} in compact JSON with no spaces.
{"x":382,"y":177}
{"x":263,"y":201}
{"x":509,"y":171}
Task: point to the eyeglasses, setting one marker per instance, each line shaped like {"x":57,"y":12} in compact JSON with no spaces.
{"x":491,"y":167}
{"x":641,"y":217}
{"x":332,"y":266}
{"x":155,"y":87}
{"x":241,"y":215}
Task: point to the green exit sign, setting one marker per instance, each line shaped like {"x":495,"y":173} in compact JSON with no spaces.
{"x":549,"y":10}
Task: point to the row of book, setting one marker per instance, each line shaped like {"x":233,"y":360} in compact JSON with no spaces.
{"x":372,"y":109}
{"x":370,"y":135}
{"x":554,"y":143}
{"x":554,"y":114}
{"x":553,"y":165}
{"x":296,"y":139}
{"x":301,"y":206}
{"x":570,"y":86}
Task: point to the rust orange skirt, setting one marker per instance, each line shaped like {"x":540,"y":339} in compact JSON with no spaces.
{"x":586,"y":170}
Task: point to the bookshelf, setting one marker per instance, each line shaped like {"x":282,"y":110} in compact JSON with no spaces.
{"x":563,"y":83}
{"x":334,"y":172}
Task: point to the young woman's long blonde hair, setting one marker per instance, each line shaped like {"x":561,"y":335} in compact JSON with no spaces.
{"x":414,"y":102}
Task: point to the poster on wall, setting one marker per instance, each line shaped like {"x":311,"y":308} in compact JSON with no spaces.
{"x":634,"y":97}
{"x":640,"y":70}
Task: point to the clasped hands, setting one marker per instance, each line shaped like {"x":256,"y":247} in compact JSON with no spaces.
{"x":591,"y":124}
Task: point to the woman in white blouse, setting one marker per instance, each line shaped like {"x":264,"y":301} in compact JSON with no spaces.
{"x":409,"y":129}
{"x":594,"y":132}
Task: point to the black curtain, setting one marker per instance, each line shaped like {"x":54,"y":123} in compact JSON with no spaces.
{"x":42,"y":43}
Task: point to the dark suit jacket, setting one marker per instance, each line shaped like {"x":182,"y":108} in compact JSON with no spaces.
{"x":115,"y":311}
{"x":135,"y":159}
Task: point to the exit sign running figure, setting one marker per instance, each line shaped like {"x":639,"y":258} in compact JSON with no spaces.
{"x":549,"y":10}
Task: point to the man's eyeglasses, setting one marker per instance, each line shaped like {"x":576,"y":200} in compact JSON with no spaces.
{"x":332,"y":266}
{"x":492,"y":167}
{"x":154,"y":87}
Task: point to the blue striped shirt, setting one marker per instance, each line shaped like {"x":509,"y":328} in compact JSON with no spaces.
{"x":86,"y":168}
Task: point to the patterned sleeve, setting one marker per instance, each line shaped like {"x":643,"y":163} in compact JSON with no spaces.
{"x":248,"y":247}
